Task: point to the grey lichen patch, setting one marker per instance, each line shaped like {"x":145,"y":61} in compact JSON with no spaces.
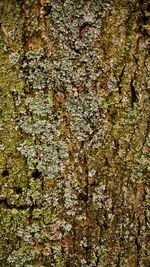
{"x":88,"y":116}
{"x":71,"y":192}
{"x":35,"y":69}
{"x":14,"y":57}
{"x":22,"y":256}
{"x":46,"y":150}
{"x":78,"y":58}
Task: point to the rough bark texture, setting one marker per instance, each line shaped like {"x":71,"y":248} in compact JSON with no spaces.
{"x":74,"y":133}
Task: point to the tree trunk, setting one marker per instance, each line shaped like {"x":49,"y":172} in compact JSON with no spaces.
{"x":74,"y":133}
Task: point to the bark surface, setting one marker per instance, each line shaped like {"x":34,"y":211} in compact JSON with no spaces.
{"x":74,"y":108}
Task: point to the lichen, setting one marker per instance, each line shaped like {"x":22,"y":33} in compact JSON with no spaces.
{"x":74,"y":105}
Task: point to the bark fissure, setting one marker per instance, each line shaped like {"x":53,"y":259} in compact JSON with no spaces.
{"x":8,"y":205}
{"x":134,"y":98}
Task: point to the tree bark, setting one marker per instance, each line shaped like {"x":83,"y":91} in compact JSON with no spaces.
{"x":74,"y":133}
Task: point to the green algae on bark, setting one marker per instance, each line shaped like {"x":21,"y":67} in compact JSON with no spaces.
{"x":74,"y":133}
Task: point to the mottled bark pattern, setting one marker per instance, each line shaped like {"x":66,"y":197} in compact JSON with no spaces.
{"x":74,"y":133}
